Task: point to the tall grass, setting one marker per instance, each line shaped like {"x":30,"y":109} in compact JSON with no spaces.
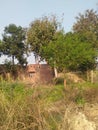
{"x":22,"y":108}
{"x":39,"y":108}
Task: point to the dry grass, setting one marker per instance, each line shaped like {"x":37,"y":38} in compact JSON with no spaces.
{"x":28,"y":109}
{"x":23,"y":108}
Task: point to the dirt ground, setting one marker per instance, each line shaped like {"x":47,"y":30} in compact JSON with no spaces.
{"x":87,"y":104}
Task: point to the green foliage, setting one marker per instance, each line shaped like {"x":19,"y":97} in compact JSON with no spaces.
{"x":39,"y":108}
{"x":58,"y":80}
{"x":12,"y":90}
{"x":79,"y":54}
{"x":69,"y":52}
{"x":20,"y":110}
{"x":8,"y":65}
{"x":41,"y":33}
{"x":53,"y":53}
{"x":0,"y":47}
{"x":80,"y":100}
{"x":87,"y":25}
{"x":13,"y":43}
{"x":56,"y":94}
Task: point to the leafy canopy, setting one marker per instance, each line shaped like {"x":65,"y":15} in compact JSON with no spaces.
{"x":69,"y":52}
{"x":41,"y":32}
{"x":13,"y":43}
{"x":87,"y":25}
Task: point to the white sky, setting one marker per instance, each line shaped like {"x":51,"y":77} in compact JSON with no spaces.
{"x":23,"y":12}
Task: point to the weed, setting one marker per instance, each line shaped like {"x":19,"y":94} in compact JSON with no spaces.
{"x":80,"y":100}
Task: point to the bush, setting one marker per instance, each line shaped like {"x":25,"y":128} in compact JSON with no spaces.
{"x":58,"y":81}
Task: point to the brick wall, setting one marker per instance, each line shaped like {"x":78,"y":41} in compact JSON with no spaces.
{"x":46,"y":73}
{"x":40,"y":73}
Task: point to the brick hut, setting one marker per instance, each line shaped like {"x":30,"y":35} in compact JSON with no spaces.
{"x":42,"y":73}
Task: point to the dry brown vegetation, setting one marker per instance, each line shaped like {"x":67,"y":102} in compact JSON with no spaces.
{"x":46,"y":107}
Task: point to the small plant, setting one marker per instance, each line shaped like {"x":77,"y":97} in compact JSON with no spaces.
{"x":56,"y":94}
{"x":80,"y":100}
{"x":58,"y":81}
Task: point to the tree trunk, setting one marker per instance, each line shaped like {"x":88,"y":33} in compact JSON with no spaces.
{"x":92,"y":76}
{"x":55,"y":72}
{"x":13,"y":60}
{"x":88,"y":76}
{"x":65,"y":84}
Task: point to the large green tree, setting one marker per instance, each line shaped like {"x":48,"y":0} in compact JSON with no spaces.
{"x":41,"y":32}
{"x":87,"y":25}
{"x":69,"y":52}
{"x":13,"y":43}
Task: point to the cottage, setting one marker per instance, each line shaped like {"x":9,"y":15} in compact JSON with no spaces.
{"x":42,"y":73}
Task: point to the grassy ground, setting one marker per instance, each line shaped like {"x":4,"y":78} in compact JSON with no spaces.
{"x":42,"y":107}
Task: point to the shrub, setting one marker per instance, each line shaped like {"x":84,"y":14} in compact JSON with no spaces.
{"x":58,"y":81}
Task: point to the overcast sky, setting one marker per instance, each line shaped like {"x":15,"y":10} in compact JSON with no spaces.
{"x":23,"y":12}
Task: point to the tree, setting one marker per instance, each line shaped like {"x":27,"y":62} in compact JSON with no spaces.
{"x":81,"y":54}
{"x":40,"y":33}
{"x":13,"y":43}
{"x":53,"y":52}
{"x":70,"y":53}
{"x":87,"y":25}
